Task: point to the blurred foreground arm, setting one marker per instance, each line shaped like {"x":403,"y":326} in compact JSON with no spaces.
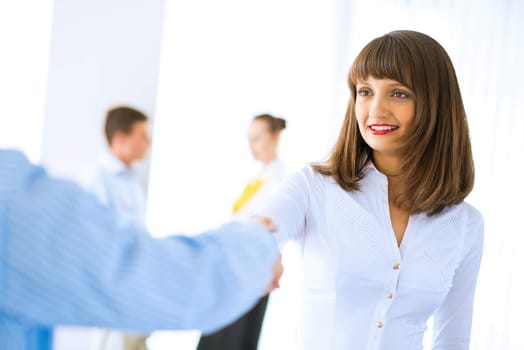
{"x":64,"y":260}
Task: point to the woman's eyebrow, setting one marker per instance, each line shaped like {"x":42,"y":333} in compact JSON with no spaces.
{"x":399,"y":85}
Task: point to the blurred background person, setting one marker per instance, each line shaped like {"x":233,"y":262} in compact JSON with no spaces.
{"x":116,"y":183}
{"x":264,"y":136}
{"x":115,"y":180}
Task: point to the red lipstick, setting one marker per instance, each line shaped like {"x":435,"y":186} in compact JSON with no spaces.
{"x":382,"y":129}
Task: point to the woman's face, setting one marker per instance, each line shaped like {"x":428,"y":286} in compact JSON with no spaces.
{"x":262,"y":142}
{"x":385,"y":110}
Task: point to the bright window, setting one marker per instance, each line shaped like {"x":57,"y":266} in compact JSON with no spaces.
{"x":25,"y":30}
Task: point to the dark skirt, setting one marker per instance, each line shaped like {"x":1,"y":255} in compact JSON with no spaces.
{"x":242,"y":334}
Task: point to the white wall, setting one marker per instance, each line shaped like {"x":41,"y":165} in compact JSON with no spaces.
{"x":102,"y":53}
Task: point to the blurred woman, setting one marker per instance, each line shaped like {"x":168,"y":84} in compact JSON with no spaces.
{"x":264,"y":136}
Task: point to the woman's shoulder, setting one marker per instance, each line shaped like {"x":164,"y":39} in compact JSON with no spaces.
{"x":468,"y":220}
{"x":309,"y":175}
{"x":463,"y":212}
{"x":304,"y":181}
{"x":474,"y":224}
{"x":473,"y":215}
{"x":472,"y":233}
{"x":467,"y":214}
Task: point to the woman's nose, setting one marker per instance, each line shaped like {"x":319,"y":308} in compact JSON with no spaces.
{"x":378,"y":108}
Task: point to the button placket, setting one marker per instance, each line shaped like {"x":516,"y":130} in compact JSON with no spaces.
{"x":384,"y":304}
{"x":389,"y":296}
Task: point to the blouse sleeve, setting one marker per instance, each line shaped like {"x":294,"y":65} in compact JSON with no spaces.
{"x":452,"y":321}
{"x":288,"y":205}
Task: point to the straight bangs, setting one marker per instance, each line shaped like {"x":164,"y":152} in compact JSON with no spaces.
{"x":383,"y":58}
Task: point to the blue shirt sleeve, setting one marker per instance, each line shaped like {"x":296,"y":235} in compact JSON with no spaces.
{"x":64,"y":260}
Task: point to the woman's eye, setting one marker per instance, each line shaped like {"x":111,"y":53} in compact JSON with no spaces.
{"x":364,"y":92}
{"x":400,"y":94}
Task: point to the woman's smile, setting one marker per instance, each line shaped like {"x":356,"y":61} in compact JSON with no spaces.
{"x":382,"y":129}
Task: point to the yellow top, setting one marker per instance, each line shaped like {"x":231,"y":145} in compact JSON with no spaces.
{"x":249,"y":191}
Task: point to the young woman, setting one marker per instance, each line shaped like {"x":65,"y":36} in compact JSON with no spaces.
{"x":386,"y":236}
{"x":264,"y":136}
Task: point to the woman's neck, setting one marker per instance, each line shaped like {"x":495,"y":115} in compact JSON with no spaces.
{"x":388,"y":165}
{"x":269,"y":160}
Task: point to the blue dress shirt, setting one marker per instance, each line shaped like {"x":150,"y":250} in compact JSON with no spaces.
{"x":65,"y":260}
{"x":118,"y":187}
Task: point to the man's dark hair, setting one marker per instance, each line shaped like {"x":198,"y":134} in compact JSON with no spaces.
{"x":121,"y":118}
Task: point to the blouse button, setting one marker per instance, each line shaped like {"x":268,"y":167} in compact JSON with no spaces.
{"x":396,"y":266}
{"x":390,"y":295}
{"x":380,"y":324}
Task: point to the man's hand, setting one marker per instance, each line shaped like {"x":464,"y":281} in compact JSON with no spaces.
{"x":278,"y":270}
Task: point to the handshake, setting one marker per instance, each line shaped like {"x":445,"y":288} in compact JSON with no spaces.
{"x":278,"y":268}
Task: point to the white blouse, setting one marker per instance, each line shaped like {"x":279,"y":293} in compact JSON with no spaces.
{"x":361,"y":291}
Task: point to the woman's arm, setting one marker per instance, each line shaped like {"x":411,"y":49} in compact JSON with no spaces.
{"x":452,"y":321}
{"x":285,"y":211}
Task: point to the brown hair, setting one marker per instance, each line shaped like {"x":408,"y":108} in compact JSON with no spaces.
{"x":437,"y":167}
{"x":121,"y":118}
{"x":275,"y":124}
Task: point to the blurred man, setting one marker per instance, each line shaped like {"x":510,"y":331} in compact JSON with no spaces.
{"x":115,"y":180}
{"x":65,"y":260}
{"x":117,"y":185}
